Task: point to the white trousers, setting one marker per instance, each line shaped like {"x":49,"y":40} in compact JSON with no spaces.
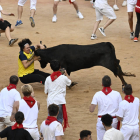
{"x":6,"y":123}
{"x":130,"y":132}
{"x":101,"y":130}
{"x":34,"y":133}
{"x":32,"y":3}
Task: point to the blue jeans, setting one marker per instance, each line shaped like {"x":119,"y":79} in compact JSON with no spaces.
{"x":60,"y":114}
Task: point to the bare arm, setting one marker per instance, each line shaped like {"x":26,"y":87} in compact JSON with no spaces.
{"x":58,"y":138}
{"x":66,"y":74}
{"x":92,"y":108}
{"x":15,"y":109}
{"x":7,"y":14}
{"x":119,"y":118}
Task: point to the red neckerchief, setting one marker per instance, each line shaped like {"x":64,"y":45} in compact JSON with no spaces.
{"x":11,"y":86}
{"x":65,"y":117}
{"x":106,"y":90}
{"x":17,"y":126}
{"x":55,"y":75}
{"x":70,"y":1}
{"x":29,"y":100}
{"x":50,"y":119}
{"x":129,"y":98}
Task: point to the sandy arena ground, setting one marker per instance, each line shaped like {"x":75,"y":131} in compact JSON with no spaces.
{"x":71,"y":30}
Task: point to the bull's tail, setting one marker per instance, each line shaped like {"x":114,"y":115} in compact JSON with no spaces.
{"x":128,"y":74}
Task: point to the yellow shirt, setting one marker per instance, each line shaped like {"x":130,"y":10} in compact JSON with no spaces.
{"x":21,"y":70}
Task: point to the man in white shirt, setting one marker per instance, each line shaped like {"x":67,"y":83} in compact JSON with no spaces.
{"x":108,"y":102}
{"x":8,"y":96}
{"x":55,"y":88}
{"x":85,"y":135}
{"x":111,"y":133}
{"x":30,"y":108}
{"x":51,"y":129}
{"x":128,"y":113}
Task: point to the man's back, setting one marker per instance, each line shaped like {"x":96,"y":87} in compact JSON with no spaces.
{"x":113,"y":134}
{"x":51,"y":131}
{"x":7,"y":99}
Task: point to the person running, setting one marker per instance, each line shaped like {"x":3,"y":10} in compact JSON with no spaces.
{"x":51,"y":129}
{"x":102,"y":8}
{"x":130,"y":8}
{"x":6,"y":27}
{"x":85,"y":135}
{"x":73,"y":2}
{"x":55,"y":88}
{"x":128,"y":114}
{"x":111,"y":133}
{"x":30,"y":108}
{"x":32,"y":11}
{"x":108,"y":102}
{"x":16,"y":132}
{"x":8,"y":96}
{"x":137,"y":29}
{"x":26,"y":72}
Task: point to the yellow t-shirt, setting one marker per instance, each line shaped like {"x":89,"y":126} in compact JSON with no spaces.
{"x":24,"y":56}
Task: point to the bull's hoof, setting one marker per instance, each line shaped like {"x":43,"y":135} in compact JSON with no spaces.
{"x":73,"y":84}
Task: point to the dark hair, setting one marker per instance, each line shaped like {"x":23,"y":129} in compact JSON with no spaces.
{"x":107,"y":119}
{"x":128,"y":89}
{"x":84,"y":133}
{"x":13,"y":79}
{"x":106,"y":81}
{"x":19,"y":117}
{"x":55,"y":65}
{"x":23,"y":42}
{"x":53,"y":109}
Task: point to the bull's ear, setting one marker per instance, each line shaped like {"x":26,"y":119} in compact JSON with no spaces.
{"x":45,"y":46}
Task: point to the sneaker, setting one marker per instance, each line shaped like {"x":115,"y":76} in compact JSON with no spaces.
{"x":54,"y":19}
{"x":92,"y":3}
{"x":80,"y":15}
{"x":32,"y":21}
{"x":124,"y":3}
{"x":18,"y":23}
{"x":132,"y":35}
{"x":12,"y":41}
{"x":135,"y":39}
{"x":93,"y":36}
{"x":102,"y":31}
{"x":115,"y":7}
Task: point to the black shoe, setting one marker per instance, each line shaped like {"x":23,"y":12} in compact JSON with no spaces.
{"x":12,"y":41}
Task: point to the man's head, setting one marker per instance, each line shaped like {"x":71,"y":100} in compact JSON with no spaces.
{"x":25,"y":45}
{"x":128,"y":89}
{"x":19,"y":117}
{"x":107,"y":120}
{"x":27,"y":90}
{"x":14,"y":79}
{"x":85,"y":135}
{"x":106,"y":81}
{"x":53,"y":110}
{"x":55,"y":65}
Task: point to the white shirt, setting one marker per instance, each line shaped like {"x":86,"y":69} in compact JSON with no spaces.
{"x":113,"y":134}
{"x":129,"y":112}
{"x":56,"y":90}
{"x":7,"y":99}
{"x":49,"y":132}
{"x":0,"y":11}
{"x":30,"y":114}
{"x":107,"y":104}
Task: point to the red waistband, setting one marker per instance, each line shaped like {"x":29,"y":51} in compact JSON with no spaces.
{"x":29,"y":128}
{"x":101,"y":116}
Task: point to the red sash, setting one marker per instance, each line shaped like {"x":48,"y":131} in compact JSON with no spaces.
{"x":29,"y":100}
{"x":17,"y":126}
{"x":55,"y":75}
{"x":106,"y":90}
{"x":11,"y":86}
{"x":129,"y":98}
{"x":50,"y":119}
{"x":65,"y":117}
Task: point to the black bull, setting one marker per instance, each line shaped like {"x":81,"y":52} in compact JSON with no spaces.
{"x":75,"y":57}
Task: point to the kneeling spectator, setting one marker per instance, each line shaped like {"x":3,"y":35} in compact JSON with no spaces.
{"x":51,"y":129}
{"x":16,"y":132}
{"x":85,"y":135}
{"x":111,"y":133}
